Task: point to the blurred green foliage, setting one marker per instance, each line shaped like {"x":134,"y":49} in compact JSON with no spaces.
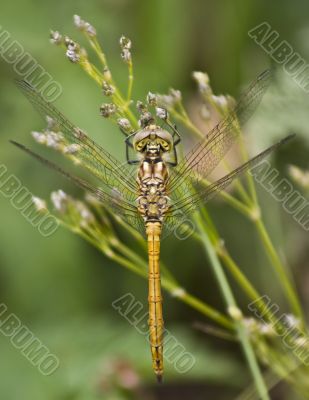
{"x":60,"y":286}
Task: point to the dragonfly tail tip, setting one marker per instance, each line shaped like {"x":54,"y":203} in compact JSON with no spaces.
{"x":159,"y":378}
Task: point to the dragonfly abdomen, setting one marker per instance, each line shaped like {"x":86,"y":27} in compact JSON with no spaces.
{"x":153,"y":205}
{"x":155,"y":321}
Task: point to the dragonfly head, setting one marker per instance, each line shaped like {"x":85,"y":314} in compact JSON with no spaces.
{"x":153,"y":141}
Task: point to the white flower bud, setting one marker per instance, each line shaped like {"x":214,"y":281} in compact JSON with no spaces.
{"x":161,"y":113}
{"x":40,"y":204}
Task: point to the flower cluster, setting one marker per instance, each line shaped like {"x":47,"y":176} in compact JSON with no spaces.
{"x":84,"y":26}
{"x":126,"y":46}
{"x":52,"y":137}
{"x":169,"y":101}
{"x":119,"y":106}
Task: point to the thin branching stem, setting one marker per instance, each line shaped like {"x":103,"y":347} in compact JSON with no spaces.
{"x":285,"y":281}
{"x":231,"y":304}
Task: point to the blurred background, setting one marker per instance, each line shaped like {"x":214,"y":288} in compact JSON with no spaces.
{"x":61,"y":287}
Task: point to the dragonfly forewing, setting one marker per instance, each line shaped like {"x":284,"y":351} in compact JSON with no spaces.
{"x":112,"y":201}
{"x":88,"y":154}
{"x":207,"y":154}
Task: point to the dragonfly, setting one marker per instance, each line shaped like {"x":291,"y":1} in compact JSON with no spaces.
{"x":154,"y":195}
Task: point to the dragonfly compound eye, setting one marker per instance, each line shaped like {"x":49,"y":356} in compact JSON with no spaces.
{"x":141,"y":145}
{"x":164,"y":145}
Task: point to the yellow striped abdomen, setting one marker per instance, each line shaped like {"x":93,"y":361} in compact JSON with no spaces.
{"x":156,"y":324}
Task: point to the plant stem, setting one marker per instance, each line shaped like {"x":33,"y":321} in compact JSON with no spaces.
{"x":234,"y":269}
{"x":130,"y":83}
{"x":280,"y":270}
{"x":238,"y":275}
{"x":231,"y":303}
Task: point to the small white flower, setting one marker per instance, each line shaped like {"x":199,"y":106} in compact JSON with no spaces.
{"x":146,"y":118}
{"x":51,"y":124}
{"x":202,"y":80}
{"x":108,"y":90}
{"x":78,"y":22}
{"x":126,"y":55}
{"x":53,"y":139}
{"x":161,"y":112}
{"x":169,"y":100}
{"x":40,"y":204}
{"x":178,"y":292}
{"x":86,"y":215}
{"x":73,"y":50}
{"x":55,"y":37}
{"x":124,"y":124}
{"x":59,"y":199}
{"x":235,"y":313}
{"x":152,"y":99}
{"x":301,"y":177}
{"x":200,"y":77}
{"x":140,"y":106}
{"x":108,"y":109}
{"x":83,"y":25}
{"x":39,"y":137}
{"x":72,"y":55}
{"x":292,"y":320}
{"x":71,"y":149}
{"x":251,"y":324}
{"x":220,"y":101}
{"x":267,"y":330}
{"x":125,"y":43}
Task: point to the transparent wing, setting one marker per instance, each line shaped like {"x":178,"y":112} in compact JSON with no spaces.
{"x":91,"y":156}
{"x":207,"y":154}
{"x":192,"y":201}
{"x":114,"y":202}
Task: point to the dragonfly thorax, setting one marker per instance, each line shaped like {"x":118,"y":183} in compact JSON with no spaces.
{"x":152,"y":179}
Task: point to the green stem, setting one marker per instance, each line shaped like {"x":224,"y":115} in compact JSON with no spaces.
{"x":234,"y":269}
{"x":130,"y":84}
{"x":231,"y":303}
{"x":243,"y":282}
{"x":187,"y":123}
{"x":119,"y":98}
{"x":280,"y":270}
